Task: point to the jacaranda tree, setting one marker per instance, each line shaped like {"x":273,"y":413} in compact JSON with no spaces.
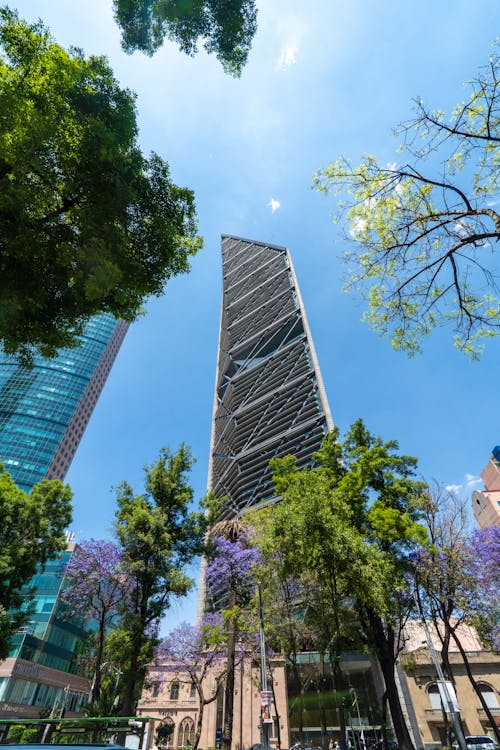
{"x":97,"y":589}
{"x":196,"y":656}
{"x":230,"y":585}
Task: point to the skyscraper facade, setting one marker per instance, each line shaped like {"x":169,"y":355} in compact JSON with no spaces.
{"x":269,"y":395}
{"x":43,"y":671}
{"x":269,"y":402}
{"x":44,"y":410}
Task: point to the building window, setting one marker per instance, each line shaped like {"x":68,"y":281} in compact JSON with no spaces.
{"x":155,"y":689}
{"x":434,"y":697}
{"x":186,"y":733}
{"x":489,"y":695}
{"x":192,"y":691}
{"x":174,"y":691}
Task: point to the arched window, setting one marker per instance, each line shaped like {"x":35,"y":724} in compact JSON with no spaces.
{"x":165,"y":734}
{"x":186,"y":733}
{"x":434,"y":697}
{"x":488,"y":694}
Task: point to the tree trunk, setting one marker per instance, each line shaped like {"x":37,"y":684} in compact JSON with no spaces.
{"x":339,"y":685}
{"x":300,"y":697}
{"x":382,"y":643}
{"x":322,"y":712}
{"x":127,"y":707}
{"x":199,"y":724}
{"x":96,"y":687}
{"x":227,"y":730}
{"x":474,"y":684}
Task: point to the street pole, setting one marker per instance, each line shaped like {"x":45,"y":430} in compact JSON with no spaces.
{"x":444,"y":692}
{"x":263,"y":674}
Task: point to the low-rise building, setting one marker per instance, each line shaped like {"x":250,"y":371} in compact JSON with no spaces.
{"x":306,"y":711}
{"x":421,"y":681}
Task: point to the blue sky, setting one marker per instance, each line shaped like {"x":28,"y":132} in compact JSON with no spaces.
{"x":324,"y":78}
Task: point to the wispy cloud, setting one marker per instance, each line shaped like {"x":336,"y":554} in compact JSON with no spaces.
{"x":274,"y":204}
{"x":287,"y":56}
{"x":472,"y":480}
{"x":290,"y":32}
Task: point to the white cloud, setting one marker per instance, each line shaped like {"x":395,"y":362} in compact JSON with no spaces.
{"x":291,"y":30}
{"x":274,"y":204}
{"x":472,"y":480}
{"x":287,"y":56}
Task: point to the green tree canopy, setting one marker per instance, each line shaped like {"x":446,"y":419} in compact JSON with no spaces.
{"x":350,"y":524}
{"x":227,"y":27}
{"x":87,"y":223}
{"x":159,"y":534}
{"x":31,"y":532}
{"x":422,"y":234}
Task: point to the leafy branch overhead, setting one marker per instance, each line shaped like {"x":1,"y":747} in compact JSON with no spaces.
{"x":422,"y":235}
{"x":87,"y":223}
{"x":227,"y":27}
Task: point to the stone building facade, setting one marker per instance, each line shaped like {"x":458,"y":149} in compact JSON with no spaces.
{"x":421,"y":681}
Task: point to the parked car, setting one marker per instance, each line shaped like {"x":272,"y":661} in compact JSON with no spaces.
{"x":480,"y":742}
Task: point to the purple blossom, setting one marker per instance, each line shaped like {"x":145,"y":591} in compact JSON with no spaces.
{"x":485,"y":549}
{"x":231,"y":566}
{"x":95,"y":581}
{"x":485,"y":570}
{"x":193,"y":649}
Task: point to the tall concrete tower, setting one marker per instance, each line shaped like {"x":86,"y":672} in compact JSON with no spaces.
{"x":44,"y":410}
{"x":269,"y":395}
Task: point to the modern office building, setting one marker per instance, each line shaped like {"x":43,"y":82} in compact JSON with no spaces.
{"x":269,"y":396}
{"x":43,"y":414}
{"x":269,"y":402}
{"x":42,"y":674}
{"x":44,"y":410}
{"x":486,"y":503}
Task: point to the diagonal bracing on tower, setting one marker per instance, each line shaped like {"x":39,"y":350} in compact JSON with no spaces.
{"x":269,"y":396}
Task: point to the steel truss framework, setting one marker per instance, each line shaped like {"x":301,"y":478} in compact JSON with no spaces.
{"x":269,"y":397}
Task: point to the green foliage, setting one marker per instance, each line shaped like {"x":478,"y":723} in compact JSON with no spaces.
{"x":340,"y":542}
{"x":82,"y":208}
{"x":421,"y":237}
{"x":159,"y":535}
{"x":31,"y":532}
{"x":28,"y":736}
{"x":227,"y":27}
{"x":16,"y":732}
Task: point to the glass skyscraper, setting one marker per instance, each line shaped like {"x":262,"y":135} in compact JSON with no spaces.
{"x":43,"y":670}
{"x":44,"y":410}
